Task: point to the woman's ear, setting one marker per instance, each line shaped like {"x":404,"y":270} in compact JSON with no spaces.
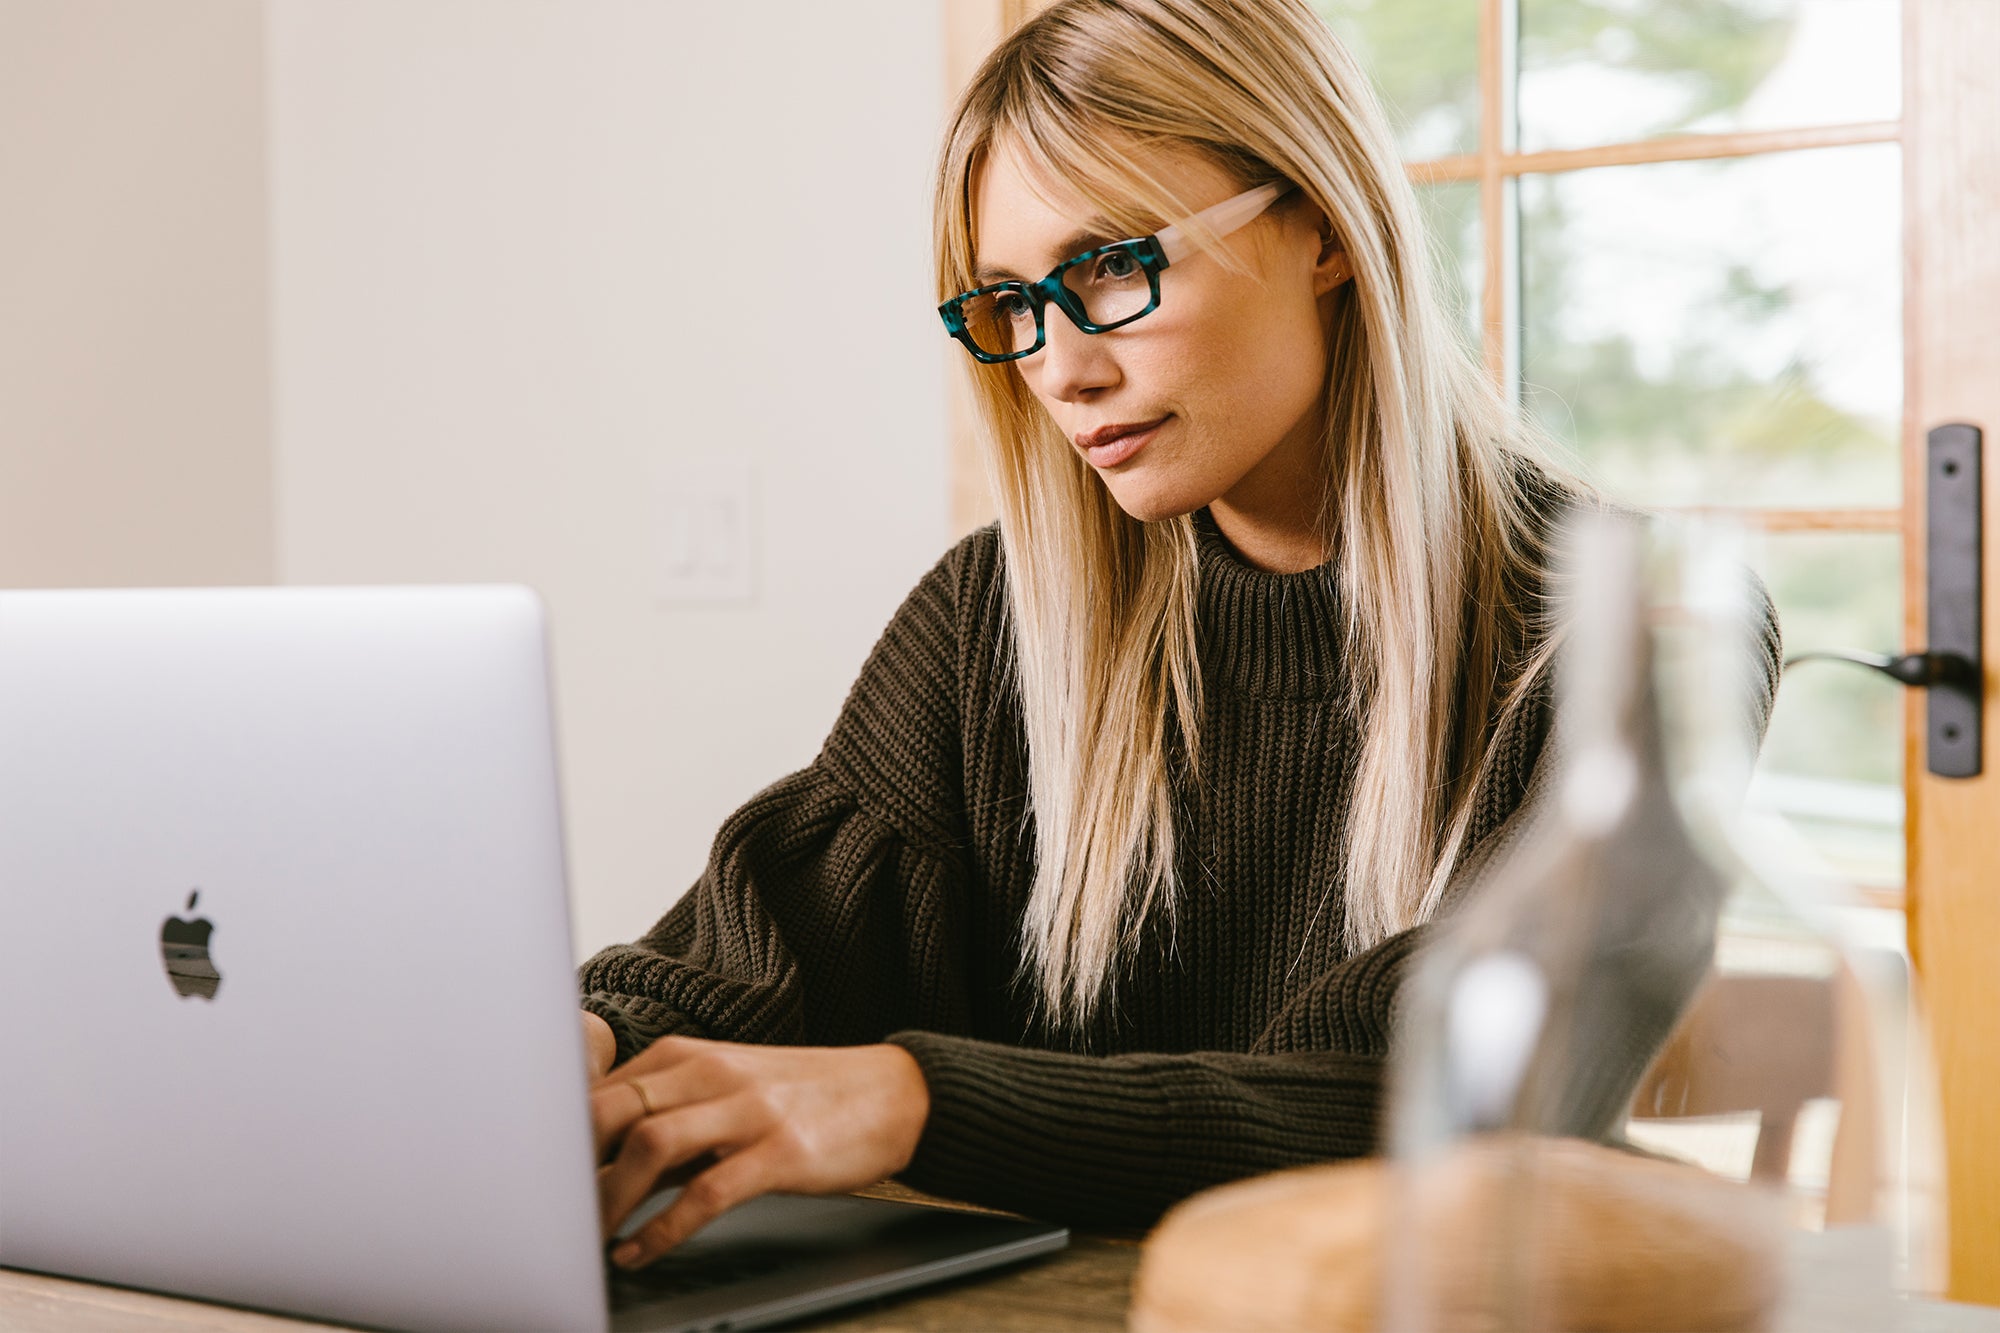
{"x":1330,"y":267}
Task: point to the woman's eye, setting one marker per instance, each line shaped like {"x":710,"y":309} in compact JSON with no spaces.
{"x":1013,"y":305}
{"x":1117,"y":265}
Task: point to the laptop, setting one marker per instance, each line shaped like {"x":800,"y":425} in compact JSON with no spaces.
{"x":288,"y":1015}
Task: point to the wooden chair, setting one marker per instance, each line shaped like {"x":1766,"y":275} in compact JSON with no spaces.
{"x":1771,"y":1044}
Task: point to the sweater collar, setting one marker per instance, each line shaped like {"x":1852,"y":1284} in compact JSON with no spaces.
{"x":1264,"y":633}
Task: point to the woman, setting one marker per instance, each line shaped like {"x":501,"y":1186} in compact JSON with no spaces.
{"x":1098,"y":892}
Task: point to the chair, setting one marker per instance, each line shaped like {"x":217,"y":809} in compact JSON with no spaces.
{"x":1771,"y":1044}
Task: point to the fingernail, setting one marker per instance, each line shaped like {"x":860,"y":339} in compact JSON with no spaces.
{"x":626,"y":1255}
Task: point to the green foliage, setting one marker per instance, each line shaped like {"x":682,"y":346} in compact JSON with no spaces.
{"x":1703,"y":425}
{"x":1716,"y":52}
{"x":1423,"y":55}
{"x":1763,"y":439}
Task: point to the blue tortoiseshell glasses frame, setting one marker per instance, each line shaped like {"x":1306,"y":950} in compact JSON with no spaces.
{"x":1151,"y":253}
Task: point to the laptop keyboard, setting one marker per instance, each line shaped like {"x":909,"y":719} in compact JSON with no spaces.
{"x":676,"y":1274}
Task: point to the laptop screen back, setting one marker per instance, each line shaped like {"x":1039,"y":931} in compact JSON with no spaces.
{"x":365,"y":1099}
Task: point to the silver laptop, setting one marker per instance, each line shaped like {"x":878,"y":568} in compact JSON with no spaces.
{"x":288,"y":1017}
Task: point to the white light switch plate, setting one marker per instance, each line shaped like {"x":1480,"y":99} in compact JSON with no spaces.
{"x":707,"y":530}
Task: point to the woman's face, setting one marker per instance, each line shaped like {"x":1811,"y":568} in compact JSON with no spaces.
{"x":1233,"y":367}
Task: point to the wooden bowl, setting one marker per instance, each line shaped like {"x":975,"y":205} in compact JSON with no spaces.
{"x":1601,"y":1239}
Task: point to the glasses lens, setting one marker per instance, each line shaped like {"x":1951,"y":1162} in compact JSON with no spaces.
{"x":1000,"y":322}
{"x":1112,"y":285}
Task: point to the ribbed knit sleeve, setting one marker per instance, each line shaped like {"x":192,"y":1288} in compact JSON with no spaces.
{"x":828,"y":910}
{"x":1116,"y":1140}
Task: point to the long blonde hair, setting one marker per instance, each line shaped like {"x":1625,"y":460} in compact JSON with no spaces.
{"x":1434,"y":539}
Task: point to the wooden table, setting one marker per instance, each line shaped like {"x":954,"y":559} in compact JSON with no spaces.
{"x":1081,"y":1290}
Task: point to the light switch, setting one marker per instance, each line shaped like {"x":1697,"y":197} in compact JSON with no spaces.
{"x":707,"y":537}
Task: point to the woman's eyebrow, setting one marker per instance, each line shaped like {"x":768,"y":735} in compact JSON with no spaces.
{"x":1073,"y":244}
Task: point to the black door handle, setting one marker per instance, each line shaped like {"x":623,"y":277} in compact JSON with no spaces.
{"x":1911,"y":668}
{"x":1950,"y":669}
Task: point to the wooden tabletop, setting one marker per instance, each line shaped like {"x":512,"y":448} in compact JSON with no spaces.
{"x":1083,"y":1289}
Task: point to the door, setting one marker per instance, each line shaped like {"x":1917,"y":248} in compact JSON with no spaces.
{"x":1952,"y":201}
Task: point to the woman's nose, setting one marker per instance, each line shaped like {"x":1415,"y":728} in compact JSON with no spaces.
{"x":1073,"y":362}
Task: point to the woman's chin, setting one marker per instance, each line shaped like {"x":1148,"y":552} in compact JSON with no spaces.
{"x":1152,"y":503}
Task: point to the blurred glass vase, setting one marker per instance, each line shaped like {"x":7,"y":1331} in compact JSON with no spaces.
{"x":1620,"y":1047}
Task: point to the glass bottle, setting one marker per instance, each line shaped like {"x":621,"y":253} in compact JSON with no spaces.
{"x":1800,"y":1065}
{"x":1631,"y":1013}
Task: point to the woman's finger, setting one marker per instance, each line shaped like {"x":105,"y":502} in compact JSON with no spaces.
{"x":735,"y":1179}
{"x":665,"y":1053}
{"x":614,"y":1109}
{"x":673,"y":1179}
{"x":600,"y":1045}
{"x":659,"y":1143}
{"x":615,"y":1105}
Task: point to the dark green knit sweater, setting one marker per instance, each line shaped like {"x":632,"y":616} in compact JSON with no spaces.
{"x":878,"y":893}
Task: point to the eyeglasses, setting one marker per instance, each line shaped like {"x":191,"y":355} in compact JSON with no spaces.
{"x":1099,"y":290}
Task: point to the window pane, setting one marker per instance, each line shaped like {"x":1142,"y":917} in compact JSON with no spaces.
{"x":1833,"y":759}
{"x":1724,"y":332}
{"x":1451,"y":212}
{"x":1424,"y":58}
{"x":1601,"y":71}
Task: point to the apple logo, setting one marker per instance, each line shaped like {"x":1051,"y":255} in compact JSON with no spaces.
{"x":184,"y":947}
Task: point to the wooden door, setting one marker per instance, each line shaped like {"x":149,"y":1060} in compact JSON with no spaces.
{"x":1952,"y":202}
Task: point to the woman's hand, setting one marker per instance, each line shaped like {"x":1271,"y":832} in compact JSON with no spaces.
{"x":806,"y":1120}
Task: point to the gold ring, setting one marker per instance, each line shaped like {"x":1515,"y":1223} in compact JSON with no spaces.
{"x":644,"y":1100}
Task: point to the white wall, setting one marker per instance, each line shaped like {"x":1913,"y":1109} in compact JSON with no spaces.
{"x":420,"y":290}
{"x":134,"y":370}
{"x":529,"y":256}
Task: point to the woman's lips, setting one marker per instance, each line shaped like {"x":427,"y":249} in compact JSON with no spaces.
{"x":1113,"y":452}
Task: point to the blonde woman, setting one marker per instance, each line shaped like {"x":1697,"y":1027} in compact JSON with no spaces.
{"x":1099,"y":890}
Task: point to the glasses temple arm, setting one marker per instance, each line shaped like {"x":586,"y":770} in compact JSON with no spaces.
{"x":1222,"y":218}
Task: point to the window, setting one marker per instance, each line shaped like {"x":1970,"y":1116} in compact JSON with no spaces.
{"x":1677,"y":237}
